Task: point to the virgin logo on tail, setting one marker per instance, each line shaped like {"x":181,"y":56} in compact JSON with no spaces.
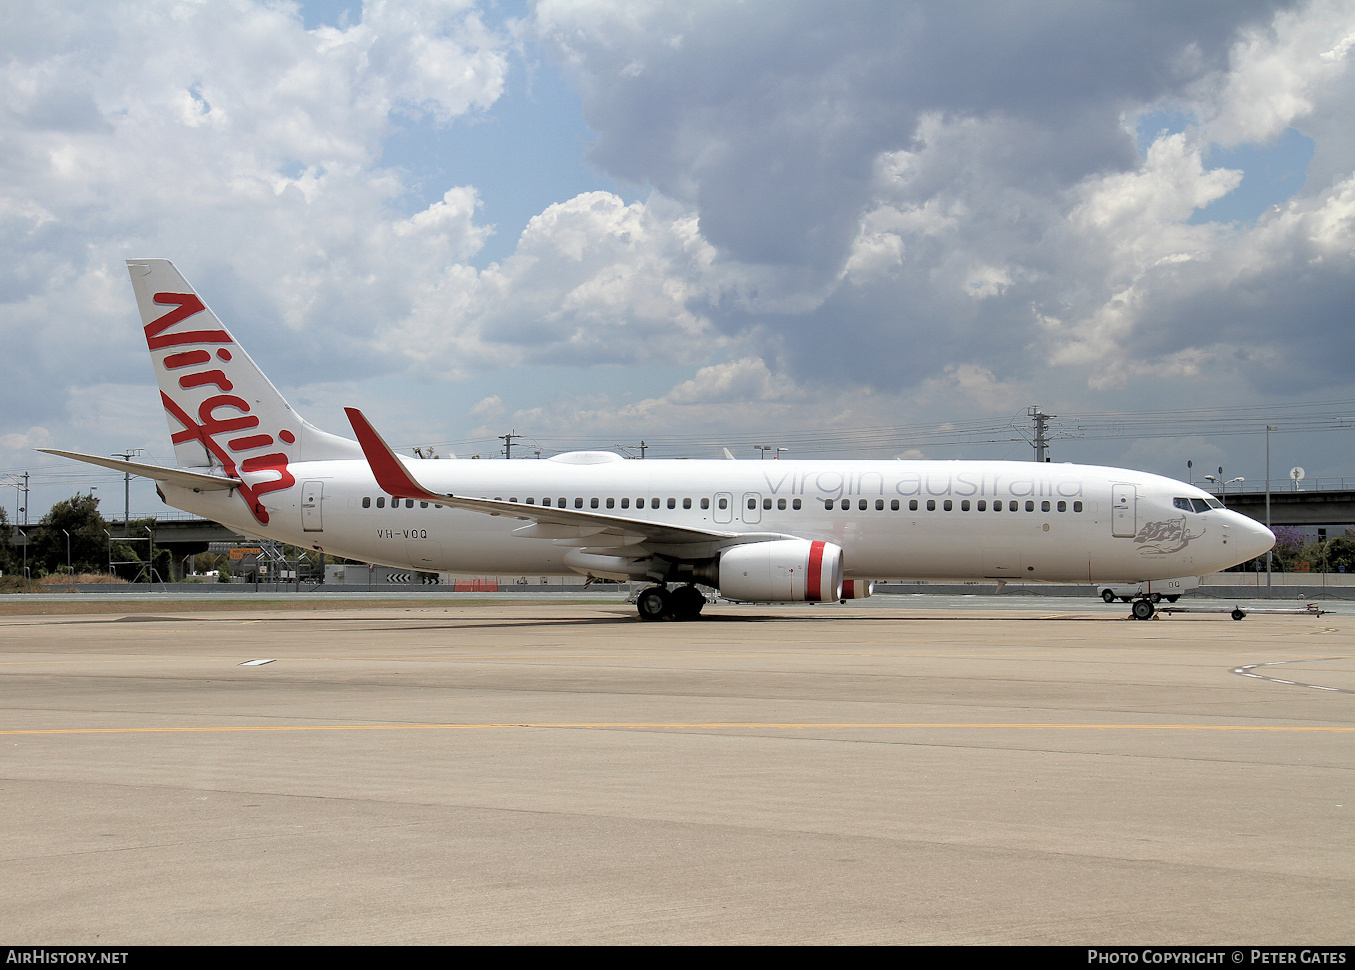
{"x":226,"y":435}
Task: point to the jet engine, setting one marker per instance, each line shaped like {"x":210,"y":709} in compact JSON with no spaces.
{"x":857,"y":589}
{"x":782,"y":571}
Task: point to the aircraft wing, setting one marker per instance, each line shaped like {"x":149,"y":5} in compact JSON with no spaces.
{"x":183,"y":477}
{"x":549,"y":523}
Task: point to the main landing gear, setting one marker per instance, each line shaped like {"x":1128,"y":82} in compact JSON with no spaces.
{"x":683,"y":603}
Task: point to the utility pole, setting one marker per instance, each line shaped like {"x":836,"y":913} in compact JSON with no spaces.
{"x":1041,"y":438}
{"x":127,"y":455}
{"x":507,"y":440}
{"x":20,"y":505}
{"x":642,"y":449}
{"x":1269,"y":429}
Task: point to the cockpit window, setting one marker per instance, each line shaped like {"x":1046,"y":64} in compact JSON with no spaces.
{"x":1197,"y":504}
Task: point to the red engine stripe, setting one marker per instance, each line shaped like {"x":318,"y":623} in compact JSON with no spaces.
{"x":814,"y":581}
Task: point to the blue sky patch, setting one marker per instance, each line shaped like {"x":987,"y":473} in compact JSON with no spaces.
{"x":1272,"y":174}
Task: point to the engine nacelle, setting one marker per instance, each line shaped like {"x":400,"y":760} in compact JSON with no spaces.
{"x":782,"y":571}
{"x":857,"y":589}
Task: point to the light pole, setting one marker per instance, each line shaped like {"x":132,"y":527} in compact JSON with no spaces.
{"x":1223,"y":486}
{"x":1269,"y":552}
{"x":763,"y":448}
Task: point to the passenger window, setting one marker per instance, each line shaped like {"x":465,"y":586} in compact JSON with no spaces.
{"x":894,"y":505}
{"x":767,"y":503}
{"x":531,"y":501}
{"x":592,"y":503}
{"x":1030,"y":506}
{"x":1063,"y":506}
{"x":705,"y":503}
{"x":949,"y":505}
{"x":1013,"y":506}
{"x":611,"y":503}
{"x":625,"y":503}
{"x":724,"y":503}
{"x":546,"y":501}
{"x":781,"y":503}
{"x":912,"y":505}
{"x":795,"y":505}
{"x":686,"y":503}
{"x":1077,"y":506}
{"x":366,"y":501}
{"x":964,"y":505}
{"x":879,"y":504}
{"x":1044,"y":506}
{"x":752,"y":503}
{"x":828,"y":504}
{"x":931,"y":505}
{"x":983,"y":505}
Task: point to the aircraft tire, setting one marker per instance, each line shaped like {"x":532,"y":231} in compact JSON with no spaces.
{"x":686,"y":603}
{"x":1108,"y":596}
{"x":1239,"y":615}
{"x":1143,"y":609}
{"x":1156,"y":597}
{"x":652,"y":603}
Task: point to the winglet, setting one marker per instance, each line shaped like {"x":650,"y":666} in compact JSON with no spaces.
{"x":389,"y":470}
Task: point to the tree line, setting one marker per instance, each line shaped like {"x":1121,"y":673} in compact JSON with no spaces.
{"x":73,"y":537}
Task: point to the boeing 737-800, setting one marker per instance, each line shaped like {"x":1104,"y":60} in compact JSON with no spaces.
{"x":759,"y":531}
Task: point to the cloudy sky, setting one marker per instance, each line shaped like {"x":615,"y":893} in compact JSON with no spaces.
{"x":869,"y":229}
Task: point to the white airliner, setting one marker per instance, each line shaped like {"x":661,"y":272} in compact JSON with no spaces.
{"x":759,"y":531}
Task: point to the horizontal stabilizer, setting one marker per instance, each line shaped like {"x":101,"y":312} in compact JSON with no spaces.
{"x":182,"y":477}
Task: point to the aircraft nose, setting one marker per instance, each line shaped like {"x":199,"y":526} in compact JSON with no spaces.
{"x":1253,"y":538}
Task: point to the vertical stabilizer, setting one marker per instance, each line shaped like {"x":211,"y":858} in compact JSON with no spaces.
{"x":224,"y":414}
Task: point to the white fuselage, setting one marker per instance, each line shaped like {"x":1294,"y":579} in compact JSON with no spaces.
{"x":895,"y":520}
